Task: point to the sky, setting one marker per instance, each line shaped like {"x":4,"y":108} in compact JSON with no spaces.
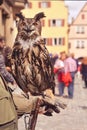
{"x":74,"y":7}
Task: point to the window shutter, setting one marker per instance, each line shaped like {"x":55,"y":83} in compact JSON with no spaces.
{"x":49,"y":4}
{"x":63,"y":41}
{"x":39,"y":4}
{"x":83,"y":16}
{"x":30,"y":5}
{"x":50,"y":41}
{"x":62,"y":22}
{"x":47,"y":41}
{"x":49,"y":22}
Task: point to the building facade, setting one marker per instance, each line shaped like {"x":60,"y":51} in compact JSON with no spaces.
{"x":5,"y":19}
{"x":54,"y":26}
{"x":8,"y":8}
{"x":78,"y":34}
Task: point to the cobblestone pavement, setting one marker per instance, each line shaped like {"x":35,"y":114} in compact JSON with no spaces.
{"x":74,"y":117}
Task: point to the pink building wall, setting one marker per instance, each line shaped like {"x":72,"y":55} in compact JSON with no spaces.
{"x":78,"y":34}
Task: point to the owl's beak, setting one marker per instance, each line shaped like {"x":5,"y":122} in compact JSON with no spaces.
{"x":29,"y":30}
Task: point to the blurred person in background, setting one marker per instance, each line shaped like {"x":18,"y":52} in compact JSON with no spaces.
{"x":59,"y":70}
{"x":3,"y":69}
{"x":84,"y":70}
{"x":70,"y":66}
{"x":53,"y":57}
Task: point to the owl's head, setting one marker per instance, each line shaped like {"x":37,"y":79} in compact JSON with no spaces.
{"x":27,"y":27}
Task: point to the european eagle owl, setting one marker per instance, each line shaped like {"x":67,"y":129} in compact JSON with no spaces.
{"x":31,"y":66}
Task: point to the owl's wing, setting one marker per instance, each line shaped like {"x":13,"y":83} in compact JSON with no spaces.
{"x":32,"y":69}
{"x":18,"y":65}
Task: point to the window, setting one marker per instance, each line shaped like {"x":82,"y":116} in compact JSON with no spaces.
{"x":59,"y":22}
{"x":69,"y":45}
{"x":80,"y":29}
{"x":55,"y":41}
{"x":56,"y":22}
{"x":44,"y":4}
{"x":58,"y":41}
{"x":61,"y":41}
{"x":80,"y":44}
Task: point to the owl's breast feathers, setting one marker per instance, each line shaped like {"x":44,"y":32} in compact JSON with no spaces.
{"x":32,"y":67}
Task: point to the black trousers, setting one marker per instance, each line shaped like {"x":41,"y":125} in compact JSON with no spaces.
{"x":85,"y":80}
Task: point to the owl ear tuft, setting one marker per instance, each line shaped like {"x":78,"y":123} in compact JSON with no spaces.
{"x":19,"y":15}
{"x":38,"y":16}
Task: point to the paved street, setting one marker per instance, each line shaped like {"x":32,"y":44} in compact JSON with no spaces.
{"x":74,"y":117}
